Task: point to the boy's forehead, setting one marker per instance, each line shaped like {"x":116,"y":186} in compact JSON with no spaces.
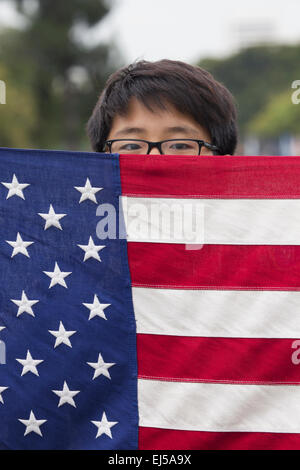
{"x":139,"y":116}
{"x":138,"y":108}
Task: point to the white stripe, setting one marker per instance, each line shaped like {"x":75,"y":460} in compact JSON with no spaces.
{"x":213,"y":221}
{"x":219,"y":407}
{"x":215,"y":313}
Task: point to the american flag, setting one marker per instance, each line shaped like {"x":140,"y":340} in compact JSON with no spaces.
{"x":152,"y":342}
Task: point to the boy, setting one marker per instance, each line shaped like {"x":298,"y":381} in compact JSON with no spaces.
{"x":167,"y":107}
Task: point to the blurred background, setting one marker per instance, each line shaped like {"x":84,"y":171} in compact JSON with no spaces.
{"x":55,"y":57}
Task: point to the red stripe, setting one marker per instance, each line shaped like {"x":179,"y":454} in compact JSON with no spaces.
{"x":169,"y":439}
{"x":225,"y":360}
{"x":215,"y":266}
{"x":207,"y":177}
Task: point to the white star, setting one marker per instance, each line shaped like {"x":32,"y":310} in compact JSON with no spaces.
{"x":104,"y":426}
{"x":2,"y":390}
{"x":91,"y":250}
{"x":2,"y":328}
{"x":57,"y":276}
{"x":24,"y":304}
{"x":15,"y":188}
{"x":101,"y":367}
{"x":96,"y":308}
{"x":32,"y":424}
{"x":52,"y":218}
{"x":66,"y":395}
{"x":19,"y":246}
{"x":62,"y":336}
{"x":29,"y":364}
{"x":87,"y":191}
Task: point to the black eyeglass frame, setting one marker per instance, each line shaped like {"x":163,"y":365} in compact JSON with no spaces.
{"x":151,"y":145}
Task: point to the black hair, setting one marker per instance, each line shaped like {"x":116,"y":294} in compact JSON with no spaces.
{"x":190,"y":89}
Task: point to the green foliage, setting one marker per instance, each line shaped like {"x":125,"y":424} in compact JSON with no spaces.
{"x":255,"y":76}
{"x":278,"y":117}
{"x":60,"y":76}
{"x":18,"y":116}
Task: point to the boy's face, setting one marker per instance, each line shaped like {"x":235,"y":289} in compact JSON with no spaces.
{"x":140,"y":123}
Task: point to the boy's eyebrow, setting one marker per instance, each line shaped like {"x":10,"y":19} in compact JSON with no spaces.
{"x":139,"y":130}
{"x":130,"y":130}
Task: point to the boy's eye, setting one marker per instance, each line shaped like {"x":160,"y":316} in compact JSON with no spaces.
{"x":180,"y":145}
{"x":185,"y":147}
{"x":130,"y":146}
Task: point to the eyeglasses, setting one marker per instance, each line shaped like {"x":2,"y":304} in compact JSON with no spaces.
{"x":165,"y":147}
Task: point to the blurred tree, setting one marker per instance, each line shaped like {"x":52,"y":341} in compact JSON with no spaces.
{"x":18,"y":116}
{"x":64,"y":75}
{"x":255,"y":76}
{"x":280,"y":116}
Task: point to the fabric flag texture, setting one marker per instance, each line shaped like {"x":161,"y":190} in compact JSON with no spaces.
{"x":185,"y":335}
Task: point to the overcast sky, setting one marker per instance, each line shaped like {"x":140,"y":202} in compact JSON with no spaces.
{"x":188,"y":29}
{"x":191,"y":29}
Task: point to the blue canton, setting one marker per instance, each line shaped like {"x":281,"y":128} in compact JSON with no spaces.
{"x":68,"y":372}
